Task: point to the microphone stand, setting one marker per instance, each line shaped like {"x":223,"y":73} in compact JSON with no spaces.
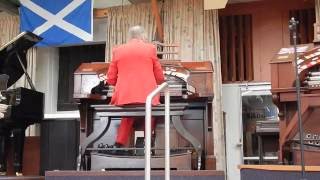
{"x":293,"y":28}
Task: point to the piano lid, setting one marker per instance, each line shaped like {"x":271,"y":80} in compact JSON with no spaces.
{"x":9,"y":62}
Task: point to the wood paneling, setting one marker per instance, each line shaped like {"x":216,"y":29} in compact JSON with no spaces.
{"x":236,"y":48}
{"x":280,"y":167}
{"x":156,"y":14}
{"x":240,"y":52}
{"x":31,"y":157}
{"x":306,"y":18}
{"x":248,"y":48}
{"x":223,"y":47}
{"x":269,"y":21}
{"x":232,"y":47}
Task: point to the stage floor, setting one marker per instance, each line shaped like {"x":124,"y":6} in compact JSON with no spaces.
{"x":22,"y":177}
{"x":278,"y":172}
{"x":134,"y":175}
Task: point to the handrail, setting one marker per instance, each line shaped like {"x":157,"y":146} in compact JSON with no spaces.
{"x":147,"y":170}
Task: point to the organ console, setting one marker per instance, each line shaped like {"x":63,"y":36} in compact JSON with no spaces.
{"x":284,"y":96}
{"x":191,"y":90}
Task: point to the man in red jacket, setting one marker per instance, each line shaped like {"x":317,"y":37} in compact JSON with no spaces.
{"x":135,"y":72}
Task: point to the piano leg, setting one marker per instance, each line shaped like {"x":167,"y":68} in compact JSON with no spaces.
{"x":4,"y":141}
{"x":18,"y":145}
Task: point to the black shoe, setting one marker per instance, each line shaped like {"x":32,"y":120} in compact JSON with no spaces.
{"x":117,"y":151}
{"x":117,"y":145}
{"x":140,"y":144}
{"x":153,"y":143}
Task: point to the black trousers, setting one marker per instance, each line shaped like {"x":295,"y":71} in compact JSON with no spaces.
{"x":14,"y":137}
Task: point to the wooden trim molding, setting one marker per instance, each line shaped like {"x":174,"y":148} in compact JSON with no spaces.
{"x":280,"y":167}
{"x":156,"y":14}
{"x":100,"y":13}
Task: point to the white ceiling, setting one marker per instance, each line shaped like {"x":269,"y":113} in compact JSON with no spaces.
{"x":110,"y":3}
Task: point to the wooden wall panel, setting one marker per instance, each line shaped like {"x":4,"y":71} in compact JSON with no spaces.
{"x":248,"y":48}
{"x":236,"y":48}
{"x":31,"y":157}
{"x":310,"y":21}
{"x":232,"y":48}
{"x":270,"y":29}
{"x":306,"y":18}
{"x":240,"y":55}
{"x":224,"y":50}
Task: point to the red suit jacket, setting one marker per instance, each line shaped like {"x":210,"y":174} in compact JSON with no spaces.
{"x":135,"y":72}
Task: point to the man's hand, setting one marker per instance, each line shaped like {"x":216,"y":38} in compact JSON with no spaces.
{"x":101,"y":89}
{"x":3,"y":110}
{"x":103,"y":77}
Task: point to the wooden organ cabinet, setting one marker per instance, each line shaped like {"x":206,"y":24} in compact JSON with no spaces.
{"x":284,"y":96}
{"x":191,"y":90}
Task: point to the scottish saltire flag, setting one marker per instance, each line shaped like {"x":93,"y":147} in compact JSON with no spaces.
{"x":58,"y":22}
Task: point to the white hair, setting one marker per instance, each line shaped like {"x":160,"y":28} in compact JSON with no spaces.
{"x":136,"y":32}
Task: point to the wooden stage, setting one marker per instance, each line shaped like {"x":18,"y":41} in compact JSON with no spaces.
{"x":22,"y":177}
{"x":278,"y":172}
{"x":133,"y":175}
{"x":121,"y":175}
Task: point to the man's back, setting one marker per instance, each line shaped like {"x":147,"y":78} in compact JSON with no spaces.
{"x":135,"y":72}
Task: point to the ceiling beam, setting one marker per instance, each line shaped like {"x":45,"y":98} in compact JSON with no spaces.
{"x":9,"y":7}
{"x":100,"y":13}
{"x":156,"y":14}
{"x":137,"y":1}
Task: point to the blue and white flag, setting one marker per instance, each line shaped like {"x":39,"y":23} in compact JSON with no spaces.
{"x":57,"y":21}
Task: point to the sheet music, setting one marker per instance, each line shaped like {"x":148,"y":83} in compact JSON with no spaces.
{"x":290,"y":50}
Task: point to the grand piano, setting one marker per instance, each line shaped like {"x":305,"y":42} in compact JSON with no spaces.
{"x":284,"y":96}
{"x":21,"y":107}
{"x":191,"y":90}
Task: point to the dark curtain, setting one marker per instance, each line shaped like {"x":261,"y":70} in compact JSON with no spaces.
{"x":70,"y":59}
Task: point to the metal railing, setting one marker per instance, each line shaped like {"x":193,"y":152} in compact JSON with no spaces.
{"x":147,"y":170}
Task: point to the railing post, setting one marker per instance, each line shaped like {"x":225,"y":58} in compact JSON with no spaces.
{"x":147,"y":152}
{"x":167,"y":133}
